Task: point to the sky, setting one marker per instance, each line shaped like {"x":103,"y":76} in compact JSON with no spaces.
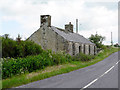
{"x":94,"y":16}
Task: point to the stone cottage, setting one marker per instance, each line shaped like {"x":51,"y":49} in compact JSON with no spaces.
{"x":57,"y":39}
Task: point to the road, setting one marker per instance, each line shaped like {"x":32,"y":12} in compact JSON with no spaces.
{"x":103,"y":74}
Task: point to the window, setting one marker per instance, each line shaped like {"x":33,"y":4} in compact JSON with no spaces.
{"x":94,"y":50}
{"x":73,"y":48}
{"x":84,"y":49}
{"x":79,"y":49}
{"x":89,"y":49}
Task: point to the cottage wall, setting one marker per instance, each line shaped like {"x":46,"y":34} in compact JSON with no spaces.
{"x":82,"y":48}
{"x":91,"y":49}
{"x":86,"y":49}
{"x":48,"y":39}
{"x":60,"y":43}
{"x":70,"y":50}
{"x":77,"y":48}
{"x":95,"y":50}
{"x":45,"y":37}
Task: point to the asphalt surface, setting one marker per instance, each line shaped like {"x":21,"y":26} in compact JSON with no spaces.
{"x":103,"y":74}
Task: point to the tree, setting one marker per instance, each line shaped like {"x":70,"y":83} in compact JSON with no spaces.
{"x":6,"y":36}
{"x":18,"y":39}
{"x":116,"y":45}
{"x":97,"y":39}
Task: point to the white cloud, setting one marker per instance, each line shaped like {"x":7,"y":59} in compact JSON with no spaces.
{"x":27,"y":12}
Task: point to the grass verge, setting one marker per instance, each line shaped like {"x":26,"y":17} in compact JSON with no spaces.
{"x":54,"y":70}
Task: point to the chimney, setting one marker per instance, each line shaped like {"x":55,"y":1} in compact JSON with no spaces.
{"x":69,"y":28}
{"x":45,"y":20}
{"x":76,"y":25}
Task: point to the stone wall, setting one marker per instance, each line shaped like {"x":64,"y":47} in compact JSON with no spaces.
{"x":91,"y":49}
{"x":45,"y":37}
{"x":48,"y":39}
{"x":82,"y":48}
{"x":77,"y":45}
{"x":59,"y":43}
{"x":70,"y":50}
{"x":86,"y":49}
{"x":95,"y":50}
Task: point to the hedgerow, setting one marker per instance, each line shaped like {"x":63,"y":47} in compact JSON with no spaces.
{"x":11,"y":66}
{"x":12,"y":48}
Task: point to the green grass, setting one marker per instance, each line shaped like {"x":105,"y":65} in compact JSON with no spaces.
{"x":54,"y":70}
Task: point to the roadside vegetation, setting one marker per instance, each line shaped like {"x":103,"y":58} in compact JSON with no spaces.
{"x":18,"y":48}
{"x":97,"y":39}
{"x":25,"y":68}
{"x":55,"y":69}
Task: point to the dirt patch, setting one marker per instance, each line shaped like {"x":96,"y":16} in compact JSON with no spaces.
{"x":47,"y":69}
{"x":73,"y":65}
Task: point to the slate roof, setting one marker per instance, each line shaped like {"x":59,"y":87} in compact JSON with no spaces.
{"x":74,"y":37}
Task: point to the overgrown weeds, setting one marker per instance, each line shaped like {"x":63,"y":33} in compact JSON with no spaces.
{"x":43,"y":72}
{"x":83,"y":57}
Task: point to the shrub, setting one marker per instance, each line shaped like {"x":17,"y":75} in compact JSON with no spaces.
{"x":8,"y":47}
{"x":82,"y":57}
{"x":32,"y":63}
{"x":12,"y":48}
{"x":60,"y":57}
{"x":31,"y":48}
{"x":21,"y":65}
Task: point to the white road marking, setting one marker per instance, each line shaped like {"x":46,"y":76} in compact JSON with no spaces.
{"x":90,"y":83}
{"x":118,"y":62}
{"x":100,"y":76}
{"x":109,"y":69}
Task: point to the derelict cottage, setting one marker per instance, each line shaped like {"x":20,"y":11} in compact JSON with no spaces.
{"x":57,"y":39}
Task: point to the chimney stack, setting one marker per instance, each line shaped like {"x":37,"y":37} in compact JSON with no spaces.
{"x":69,"y":28}
{"x":45,"y":20}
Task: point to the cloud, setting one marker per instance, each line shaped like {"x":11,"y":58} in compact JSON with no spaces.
{"x":98,"y":18}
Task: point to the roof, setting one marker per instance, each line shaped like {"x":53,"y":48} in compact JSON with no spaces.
{"x":74,"y":37}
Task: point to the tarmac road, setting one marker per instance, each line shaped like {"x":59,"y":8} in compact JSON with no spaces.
{"x":103,"y":74}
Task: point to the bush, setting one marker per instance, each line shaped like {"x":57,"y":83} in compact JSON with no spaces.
{"x":60,"y":57}
{"x":83,"y":57}
{"x":8,"y":47}
{"x":13,"y":67}
{"x":12,"y":48}
{"x":32,"y":63}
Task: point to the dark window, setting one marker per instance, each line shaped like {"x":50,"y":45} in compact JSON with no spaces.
{"x":89,"y":49}
{"x":79,"y":49}
{"x":84,"y":49}
{"x":73,"y":47}
{"x":94,"y":50}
